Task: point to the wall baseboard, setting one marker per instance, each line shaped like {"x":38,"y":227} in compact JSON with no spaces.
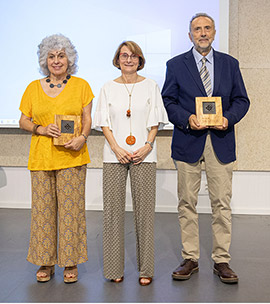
{"x":248,"y":187}
{"x":159,"y":209}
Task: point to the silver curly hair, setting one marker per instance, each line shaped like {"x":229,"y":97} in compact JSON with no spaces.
{"x":57,"y":42}
{"x":200,"y":15}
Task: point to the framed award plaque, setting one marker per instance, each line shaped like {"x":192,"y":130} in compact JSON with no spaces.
{"x":70,"y":127}
{"x":209,"y":111}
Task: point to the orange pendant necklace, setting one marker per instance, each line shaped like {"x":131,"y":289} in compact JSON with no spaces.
{"x":130,"y":140}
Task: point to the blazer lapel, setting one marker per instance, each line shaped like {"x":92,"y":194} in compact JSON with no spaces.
{"x":192,"y":67}
{"x":218,"y":62}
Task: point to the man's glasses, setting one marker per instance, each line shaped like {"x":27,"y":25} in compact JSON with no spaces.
{"x":125,"y":56}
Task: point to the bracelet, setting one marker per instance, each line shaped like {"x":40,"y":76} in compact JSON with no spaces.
{"x":85,"y":137}
{"x":150,"y":143}
{"x":35,"y":129}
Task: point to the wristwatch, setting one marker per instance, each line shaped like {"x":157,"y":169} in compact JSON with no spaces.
{"x":150,"y":143}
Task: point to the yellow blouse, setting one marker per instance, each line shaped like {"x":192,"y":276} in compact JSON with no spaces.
{"x":35,"y":103}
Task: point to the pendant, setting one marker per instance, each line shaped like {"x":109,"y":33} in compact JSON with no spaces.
{"x":128,"y":113}
{"x":130,"y":140}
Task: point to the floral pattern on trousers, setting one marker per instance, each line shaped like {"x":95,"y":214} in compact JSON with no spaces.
{"x":58,"y":201}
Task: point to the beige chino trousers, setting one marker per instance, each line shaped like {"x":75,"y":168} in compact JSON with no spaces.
{"x":219,"y":179}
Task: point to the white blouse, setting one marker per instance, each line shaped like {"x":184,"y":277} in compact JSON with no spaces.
{"x":147,"y":110}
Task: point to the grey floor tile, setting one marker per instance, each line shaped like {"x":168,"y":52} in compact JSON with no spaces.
{"x":250,"y":259}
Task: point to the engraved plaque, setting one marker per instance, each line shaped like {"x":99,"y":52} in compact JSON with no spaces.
{"x":209,"y":107}
{"x":209,"y":111}
{"x":70,"y":127}
{"x":67,"y":126}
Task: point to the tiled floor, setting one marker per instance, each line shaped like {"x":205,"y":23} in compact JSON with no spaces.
{"x":250,"y":259}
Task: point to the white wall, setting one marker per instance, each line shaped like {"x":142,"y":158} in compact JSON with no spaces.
{"x":251,"y":191}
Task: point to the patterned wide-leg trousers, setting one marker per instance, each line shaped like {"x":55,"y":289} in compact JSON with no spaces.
{"x":143,"y":189}
{"x":58,"y":199}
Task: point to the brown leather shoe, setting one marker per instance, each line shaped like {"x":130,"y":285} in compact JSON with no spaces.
{"x":185,"y":270}
{"x":225,"y":273}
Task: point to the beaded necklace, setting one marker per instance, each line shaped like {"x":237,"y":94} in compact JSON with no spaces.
{"x":59,"y":85}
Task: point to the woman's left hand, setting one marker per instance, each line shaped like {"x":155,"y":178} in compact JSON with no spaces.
{"x":139,"y":155}
{"x":75,"y":144}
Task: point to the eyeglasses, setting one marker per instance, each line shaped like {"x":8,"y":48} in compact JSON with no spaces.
{"x":125,"y":56}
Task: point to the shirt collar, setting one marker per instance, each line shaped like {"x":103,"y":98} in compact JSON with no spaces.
{"x":198,"y":57}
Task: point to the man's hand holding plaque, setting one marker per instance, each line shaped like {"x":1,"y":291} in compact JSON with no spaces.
{"x":195,"y":125}
{"x":208,"y":114}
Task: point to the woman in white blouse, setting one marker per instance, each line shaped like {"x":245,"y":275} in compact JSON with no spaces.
{"x":130,"y":111}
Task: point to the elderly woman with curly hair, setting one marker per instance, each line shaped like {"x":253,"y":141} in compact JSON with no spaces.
{"x":57,"y":172}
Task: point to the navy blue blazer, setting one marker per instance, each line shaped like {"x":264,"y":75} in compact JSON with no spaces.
{"x":182,"y":84}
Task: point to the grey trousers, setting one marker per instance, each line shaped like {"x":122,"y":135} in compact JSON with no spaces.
{"x":143,"y":189}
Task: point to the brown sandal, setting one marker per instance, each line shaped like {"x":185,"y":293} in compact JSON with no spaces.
{"x":49,"y":272}
{"x":145,"y":283}
{"x":71,"y":270}
{"x":117,"y":280}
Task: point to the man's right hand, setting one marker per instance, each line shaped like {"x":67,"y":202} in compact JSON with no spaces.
{"x":194,"y":124}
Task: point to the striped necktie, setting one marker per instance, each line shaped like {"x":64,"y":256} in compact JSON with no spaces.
{"x":205,"y":76}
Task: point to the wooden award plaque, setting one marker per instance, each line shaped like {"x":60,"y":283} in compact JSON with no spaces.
{"x":209,"y":111}
{"x":70,"y":127}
